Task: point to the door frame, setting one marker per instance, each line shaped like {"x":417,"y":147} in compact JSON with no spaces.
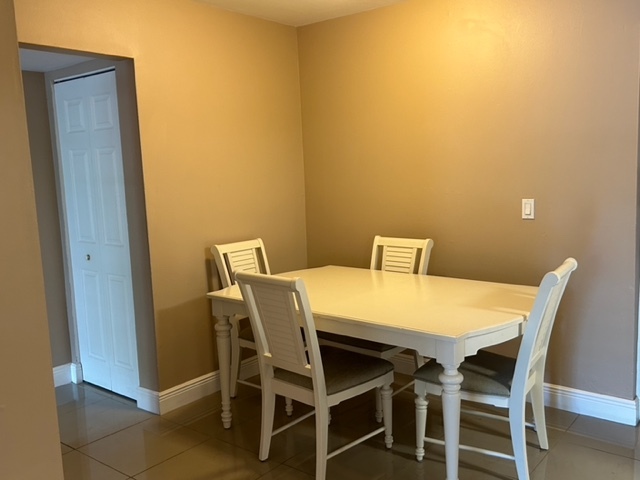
{"x":137,"y":224}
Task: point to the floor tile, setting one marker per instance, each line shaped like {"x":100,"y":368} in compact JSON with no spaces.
{"x":78,"y":466}
{"x":91,"y":422}
{"x":73,"y":396}
{"x":492,"y":435}
{"x":607,"y":436}
{"x":570,"y":461}
{"x":105,"y":437}
{"x":246,"y":434}
{"x":144,"y":445}
{"x":559,"y":419}
{"x":370,"y":459}
{"x":434,"y":468}
{"x":213,"y":459}
{"x":283,"y":472}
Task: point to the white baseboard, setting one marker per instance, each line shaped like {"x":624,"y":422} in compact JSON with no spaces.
{"x":67,"y":373}
{"x":596,"y":405}
{"x":614,"y":409}
{"x":200,"y":387}
{"x":148,"y":400}
{"x":76,"y":373}
{"x":61,"y":375}
{"x":188,"y":392}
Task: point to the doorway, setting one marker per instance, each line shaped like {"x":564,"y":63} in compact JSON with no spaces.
{"x":66,"y":349}
{"x":87,"y":131}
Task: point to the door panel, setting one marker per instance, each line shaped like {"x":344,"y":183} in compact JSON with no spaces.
{"x":94,"y":349}
{"x":95,"y":207}
{"x":112,"y":195}
{"x":80,"y":209}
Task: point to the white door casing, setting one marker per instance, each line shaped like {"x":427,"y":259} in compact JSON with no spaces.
{"x":86,"y":113}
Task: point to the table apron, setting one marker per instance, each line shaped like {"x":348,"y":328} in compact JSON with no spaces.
{"x":447,"y":351}
{"x":227,"y":308}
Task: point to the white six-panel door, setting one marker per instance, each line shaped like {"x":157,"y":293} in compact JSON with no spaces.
{"x":95,"y":213}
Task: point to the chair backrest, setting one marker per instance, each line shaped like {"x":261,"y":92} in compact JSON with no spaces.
{"x":276,"y":305}
{"x":535,"y":341}
{"x":404,"y":255}
{"x":245,"y":256}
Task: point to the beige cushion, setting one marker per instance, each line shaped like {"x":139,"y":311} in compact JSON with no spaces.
{"x":342,"y":370}
{"x":485,"y":372}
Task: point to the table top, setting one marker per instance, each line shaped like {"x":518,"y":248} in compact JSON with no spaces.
{"x":438,"y":307}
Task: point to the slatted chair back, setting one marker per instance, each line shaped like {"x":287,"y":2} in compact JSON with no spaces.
{"x":281,"y":305}
{"x":245,"y":256}
{"x":403,"y":255}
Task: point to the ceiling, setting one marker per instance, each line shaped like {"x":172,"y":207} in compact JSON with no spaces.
{"x":299,"y":12}
{"x":42,"y":61}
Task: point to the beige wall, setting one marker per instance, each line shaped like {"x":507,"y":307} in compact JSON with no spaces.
{"x":219,"y":111}
{"x":421,"y":119}
{"x":435,"y":118}
{"x":48,"y":218}
{"x":28,"y":420}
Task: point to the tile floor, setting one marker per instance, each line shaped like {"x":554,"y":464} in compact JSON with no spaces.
{"x":104,"y":437}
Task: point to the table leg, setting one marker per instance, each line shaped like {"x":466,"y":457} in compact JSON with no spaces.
{"x":223,"y":338}
{"x":451,"y":379}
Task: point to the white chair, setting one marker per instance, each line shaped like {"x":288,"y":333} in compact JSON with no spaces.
{"x":492,"y":379}
{"x":390,"y":254}
{"x":297,"y":368}
{"x":230,"y":258}
{"x":403,"y":255}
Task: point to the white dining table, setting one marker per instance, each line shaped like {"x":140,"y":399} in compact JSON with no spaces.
{"x":443,"y":318}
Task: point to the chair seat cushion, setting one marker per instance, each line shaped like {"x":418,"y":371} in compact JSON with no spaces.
{"x":485,"y":372}
{"x":355,"y":342}
{"x":342,"y":370}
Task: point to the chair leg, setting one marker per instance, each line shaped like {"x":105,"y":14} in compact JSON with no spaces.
{"x":288,"y":408}
{"x":322,"y":441}
{"x":379,"y":414}
{"x":421,"y":423}
{"x":268,"y":409}
{"x":519,"y":439}
{"x":387,"y":410}
{"x":235,"y":366}
{"x":537,"y":402}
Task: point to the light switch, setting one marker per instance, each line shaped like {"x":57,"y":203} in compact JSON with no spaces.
{"x":528,"y":208}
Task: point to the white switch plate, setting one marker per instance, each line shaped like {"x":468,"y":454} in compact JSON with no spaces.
{"x":528,"y":208}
